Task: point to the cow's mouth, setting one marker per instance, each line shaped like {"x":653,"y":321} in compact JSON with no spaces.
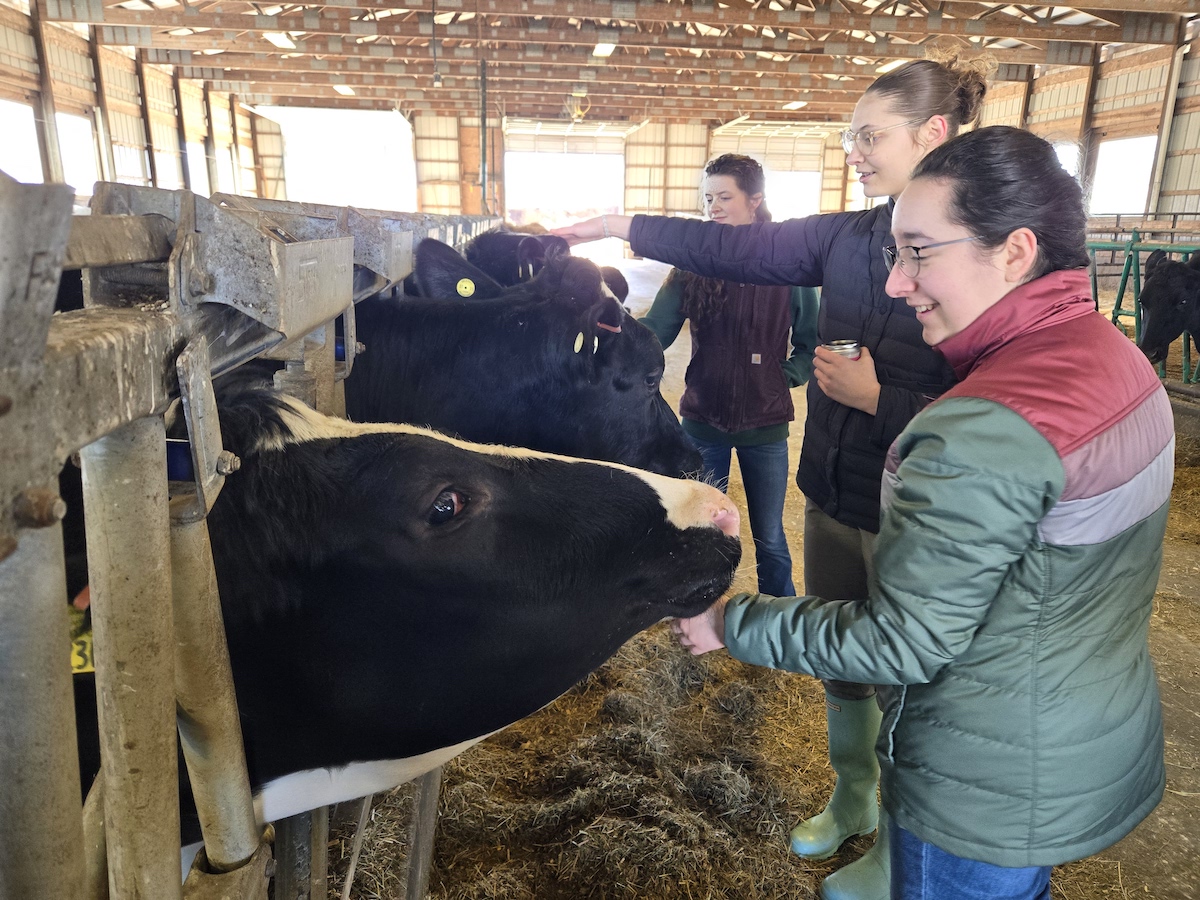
{"x":1156,"y":355}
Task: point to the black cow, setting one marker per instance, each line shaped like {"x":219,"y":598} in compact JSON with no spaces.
{"x":1170,"y":302}
{"x":392,"y":595}
{"x":554,"y":364}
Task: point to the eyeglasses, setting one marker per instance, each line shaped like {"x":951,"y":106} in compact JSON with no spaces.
{"x":909,"y":258}
{"x":865,"y":140}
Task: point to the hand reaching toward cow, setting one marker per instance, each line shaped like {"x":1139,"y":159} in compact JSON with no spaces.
{"x":851,"y":382}
{"x":703,"y":633}
{"x":595,"y":229}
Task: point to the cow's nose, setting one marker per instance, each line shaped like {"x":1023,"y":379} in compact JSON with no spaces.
{"x":726,"y":517}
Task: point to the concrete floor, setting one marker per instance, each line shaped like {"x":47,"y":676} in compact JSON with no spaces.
{"x":1160,"y":859}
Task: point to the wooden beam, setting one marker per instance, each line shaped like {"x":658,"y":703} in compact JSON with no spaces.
{"x":44,"y":112}
{"x":143,"y":91}
{"x":1141,"y":27}
{"x":210,"y":143}
{"x":185,"y":167}
{"x":108,"y":163}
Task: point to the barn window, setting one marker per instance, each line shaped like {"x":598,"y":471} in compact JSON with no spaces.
{"x":19,"y":157}
{"x":1122,"y":180}
{"x":792,"y":195}
{"x":77,"y":143}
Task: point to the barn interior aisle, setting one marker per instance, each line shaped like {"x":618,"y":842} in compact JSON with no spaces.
{"x":663,"y":776}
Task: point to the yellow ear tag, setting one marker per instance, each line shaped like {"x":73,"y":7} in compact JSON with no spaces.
{"x":466,"y":287}
{"x":595,"y":343}
{"x":579,"y":342}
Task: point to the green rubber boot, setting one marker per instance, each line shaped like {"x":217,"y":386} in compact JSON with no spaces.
{"x":867,"y":878}
{"x":853,"y":809}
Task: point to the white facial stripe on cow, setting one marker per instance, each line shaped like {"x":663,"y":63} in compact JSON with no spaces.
{"x":687,"y":503}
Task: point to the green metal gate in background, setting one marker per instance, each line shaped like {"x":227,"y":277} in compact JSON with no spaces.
{"x":1132,"y":269}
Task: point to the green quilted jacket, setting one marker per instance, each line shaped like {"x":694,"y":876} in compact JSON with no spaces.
{"x":1017,"y":561}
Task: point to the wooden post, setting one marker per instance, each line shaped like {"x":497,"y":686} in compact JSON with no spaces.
{"x":44,"y":119}
{"x":108,"y":162}
{"x":210,"y":142}
{"x":184,"y":167}
{"x":140,"y":63}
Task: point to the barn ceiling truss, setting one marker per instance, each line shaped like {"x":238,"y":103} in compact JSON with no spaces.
{"x":612,"y":60}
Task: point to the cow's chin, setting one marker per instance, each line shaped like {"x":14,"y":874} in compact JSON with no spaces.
{"x":1156,"y":355}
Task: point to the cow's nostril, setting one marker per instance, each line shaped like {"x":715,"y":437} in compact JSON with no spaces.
{"x":725,"y":516}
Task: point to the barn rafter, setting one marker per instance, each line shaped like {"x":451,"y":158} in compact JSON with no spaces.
{"x":707,"y":60}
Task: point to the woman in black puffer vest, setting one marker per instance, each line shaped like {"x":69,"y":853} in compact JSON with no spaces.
{"x":856,"y":408}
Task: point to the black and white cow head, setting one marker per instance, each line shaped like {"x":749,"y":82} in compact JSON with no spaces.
{"x":554,"y":364}
{"x":392,"y":595}
{"x":1170,"y":303}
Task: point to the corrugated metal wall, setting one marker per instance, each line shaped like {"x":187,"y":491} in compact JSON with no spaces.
{"x":1004,"y":104}
{"x":687,"y":152}
{"x":164,"y":128}
{"x":127,"y":130}
{"x":436,"y":151}
{"x":18,"y":58}
{"x":645,"y":169}
{"x":1181,"y":175}
{"x":1058,"y":103}
{"x":268,"y":143}
{"x":1128,"y":97}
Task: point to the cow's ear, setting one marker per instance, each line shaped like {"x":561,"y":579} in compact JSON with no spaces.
{"x":443,"y":274}
{"x":1194,"y":261}
{"x":1153,"y":261}
{"x":536,"y":250}
{"x":616,"y":282}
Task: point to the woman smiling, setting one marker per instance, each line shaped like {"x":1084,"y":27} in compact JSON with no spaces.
{"x":1019,"y":548}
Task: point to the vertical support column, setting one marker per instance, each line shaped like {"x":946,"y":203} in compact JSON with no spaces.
{"x":44,"y":119}
{"x":260,"y":181}
{"x":108,"y":162}
{"x":424,"y":824}
{"x":1087,"y":160}
{"x":1025,"y":95}
{"x":1166,"y":117}
{"x":236,"y":150}
{"x":184,"y":166}
{"x":210,"y":142}
{"x":140,"y":64}
{"x":41,"y":842}
{"x":302,"y":852}
{"x":125,"y":494}
{"x":209,"y":729}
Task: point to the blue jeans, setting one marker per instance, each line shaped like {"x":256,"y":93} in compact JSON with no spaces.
{"x":921,"y":871}
{"x":765,"y":474}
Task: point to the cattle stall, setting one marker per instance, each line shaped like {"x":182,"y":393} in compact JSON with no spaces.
{"x":177,"y":287}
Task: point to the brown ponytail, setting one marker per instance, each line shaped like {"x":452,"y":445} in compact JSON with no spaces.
{"x":952,"y":87}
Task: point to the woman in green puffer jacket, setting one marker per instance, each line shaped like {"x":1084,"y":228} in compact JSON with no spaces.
{"x":1019,"y":548}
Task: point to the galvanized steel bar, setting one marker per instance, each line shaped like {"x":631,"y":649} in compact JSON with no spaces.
{"x":125,"y":495}
{"x":209,"y":729}
{"x":421,"y":833}
{"x":302,"y":856}
{"x":41,"y":835}
{"x":98,"y":240}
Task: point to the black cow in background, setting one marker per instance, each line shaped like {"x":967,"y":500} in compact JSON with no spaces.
{"x":392,"y":596}
{"x":1170,"y":303}
{"x":553,"y":364}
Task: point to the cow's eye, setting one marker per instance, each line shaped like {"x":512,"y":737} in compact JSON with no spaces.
{"x":445,"y":507}
{"x":652,"y":381}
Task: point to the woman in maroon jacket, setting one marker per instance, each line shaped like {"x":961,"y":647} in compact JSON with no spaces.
{"x":856,"y":408}
{"x":739,"y":379}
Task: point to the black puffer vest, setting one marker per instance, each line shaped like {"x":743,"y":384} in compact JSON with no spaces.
{"x":841,"y":463}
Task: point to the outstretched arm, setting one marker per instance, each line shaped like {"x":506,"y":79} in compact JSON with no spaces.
{"x":595,"y":229}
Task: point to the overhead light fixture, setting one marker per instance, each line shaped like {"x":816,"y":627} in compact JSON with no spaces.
{"x":889,"y":66}
{"x":796,"y":104}
{"x":344,"y":89}
{"x":437,"y":79}
{"x":280,"y":40}
{"x":604,"y":49}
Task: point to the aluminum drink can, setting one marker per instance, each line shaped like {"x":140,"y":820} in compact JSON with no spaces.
{"x":848,"y":349}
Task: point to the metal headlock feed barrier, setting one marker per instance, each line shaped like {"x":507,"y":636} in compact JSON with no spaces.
{"x":177,"y":288}
{"x":1131,"y":275}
